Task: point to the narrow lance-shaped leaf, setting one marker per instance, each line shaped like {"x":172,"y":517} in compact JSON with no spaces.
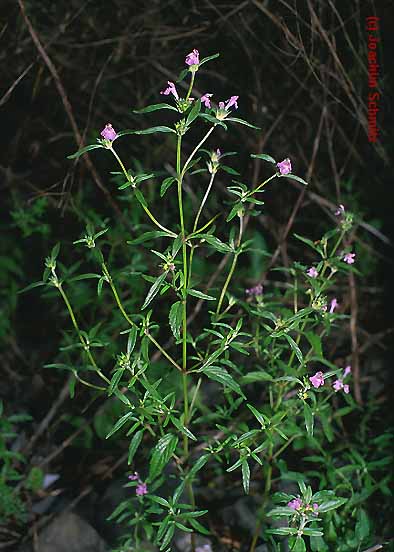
{"x":85,"y":150}
{"x":264,"y":156}
{"x":155,"y":107}
{"x":134,"y":444}
{"x":151,"y":130}
{"x":175,"y":318}
{"x":154,"y":290}
{"x":245,"y":476}
{"x":241,"y":122}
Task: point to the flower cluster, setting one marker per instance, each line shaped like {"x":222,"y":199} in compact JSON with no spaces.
{"x":255,"y":291}
{"x":317,"y":380}
{"x":141,"y":488}
{"x":297,"y":505}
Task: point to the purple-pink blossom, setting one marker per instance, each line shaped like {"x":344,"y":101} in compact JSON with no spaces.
{"x":349,"y":258}
{"x":312,"y":272}
{"x":232,"y":102}
{"x":193,"y":58}
{"x":295,"y":504}
{"x":338,"y":385}
{"x":134,"y":476}
{"x":141,"y":489}
{"x":170,"y":90}
{"x":108,"y":133}
{"x":255,"y":291}
{"x":284,"y":166}
{"x":317,"y":380}
{"x":315,"y":506}
{"x":205,"y":99}
{"x":340,"y":211}
{"x":333,"y":305}
{"x":347,"y":371}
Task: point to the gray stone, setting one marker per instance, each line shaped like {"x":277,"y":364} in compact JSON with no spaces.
{"x":70,"y":533}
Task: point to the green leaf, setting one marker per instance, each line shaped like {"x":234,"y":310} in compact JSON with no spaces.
{"x":208,"y":58}
{"x":195,"y":110}
{"x":198,"y":465}
{"x":134,"y":444}
{"x":294,"y":177}
{"x":308,"y":416}
{"x":84,"y":150}
{"x":83,"y":277}
{"x":147,"y":236}
{"x":154,"y":290}
{"x":252,"y":377}
{"x":198,"y":527}
{"x":222,"y":376}
{"x":362,"y":526}
{"x":264,"y":156}
{"x":132,"y":339}
{"x":120,"y":423}
{"x":216,"y":243}
{"x":200,"y":294}
{"x":315,"y":342}
{"x":151,"y":130}
{"x":167,"y":182}
{"x":294,"y":347}
{"x":161,"y":454}
{"x":332,"y":504}
{"x":31,"y":286}
{"x":245,"y":476}
{"x":155,"y":107}
{"x":140,"y":196}
{"x":183,"y":429}
{"x":241,"y":122}
{"x":175,"y":318}
{"x":282,"y":531}
{"x":260,"y":418}
{"x":297,"y":544}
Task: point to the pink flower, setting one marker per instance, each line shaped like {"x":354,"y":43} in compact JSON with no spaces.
{"x":108,"y":133}
{"x":218,"y":153}
{"x":232,"y":102}
{"x":317,"y":380}
{"x":333,"y":305}
{"x":295,"y":504}
{"x":315,"y":506}
{"x":205,"y":99}
{"x":255,"y":291}
{"x":284,"y":166}
{"x":312,"y":272}
{"x":338,"y":385}
{"x":193,"y":58}
{"x":134,"y":476}
{"x":141,"y":489}
{"x":347,"y":371}
{"x":340,"y":211}
{"x":349,"y":258}
{"x":170,"y":90}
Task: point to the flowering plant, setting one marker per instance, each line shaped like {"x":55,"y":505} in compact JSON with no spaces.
{"x":259,"y":351}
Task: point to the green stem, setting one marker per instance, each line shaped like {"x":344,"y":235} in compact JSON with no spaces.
{"x":231,"y":272}
{"x":126,"y":316}
{"x":267,"y":489}
{"x":80,"y":336}
{"x":145,"y":208}
{"x":261,"y":185}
